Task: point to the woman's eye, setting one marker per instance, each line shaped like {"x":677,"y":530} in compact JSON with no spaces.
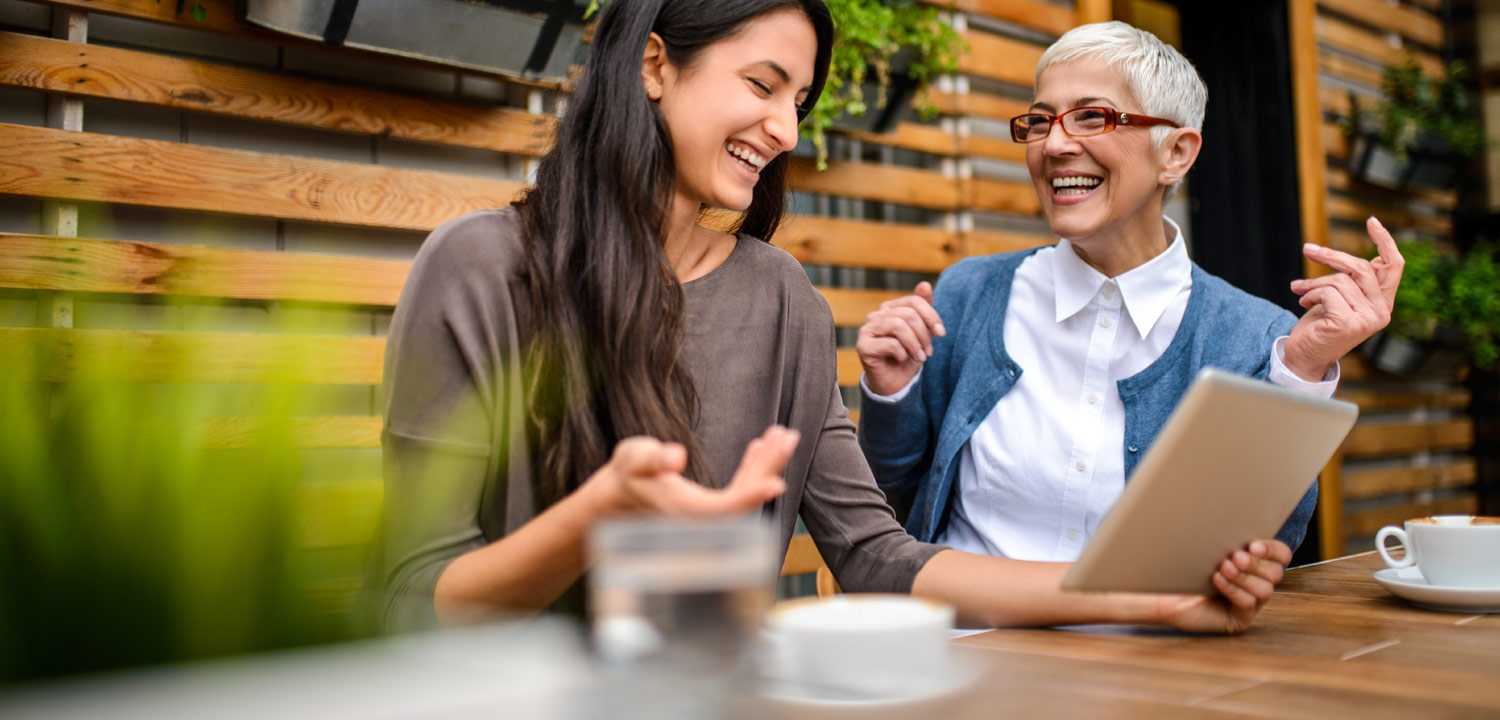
{"x":762,"y":87}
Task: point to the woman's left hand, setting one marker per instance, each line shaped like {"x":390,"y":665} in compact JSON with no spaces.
{"x":1246,"y":580}
{"x":1345,"y":307}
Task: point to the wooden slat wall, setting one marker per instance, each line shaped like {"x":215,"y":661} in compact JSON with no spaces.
{"x":1409,"y":453}
{"x":919,"y":179}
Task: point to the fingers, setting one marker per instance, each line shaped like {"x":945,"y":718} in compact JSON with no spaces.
{"x":1355,"y":268}
{"x":1273,"y":550}
{"x":767,"y":455}
{"x":1391,"y":262}
{"x":924,"y":291}
{"x":907,"y":326}
{"x":1330,"y":298}
{"x":645,"y":456}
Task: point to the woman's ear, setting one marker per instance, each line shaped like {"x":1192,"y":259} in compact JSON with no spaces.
{"x":655,"y":67}
{"x":1178,"y":154}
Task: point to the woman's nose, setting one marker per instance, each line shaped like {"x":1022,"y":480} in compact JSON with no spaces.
{"x":782,"y":127}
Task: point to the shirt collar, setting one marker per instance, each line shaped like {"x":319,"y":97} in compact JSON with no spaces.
{"x":1146,"y":290}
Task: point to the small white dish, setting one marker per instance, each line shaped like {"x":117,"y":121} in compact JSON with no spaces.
{"x":1408,"y":584}
{"x":965,"y":668}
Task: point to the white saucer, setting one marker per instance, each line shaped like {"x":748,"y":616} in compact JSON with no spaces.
{"x":1407,"y":583}
{"x":966,"y":667}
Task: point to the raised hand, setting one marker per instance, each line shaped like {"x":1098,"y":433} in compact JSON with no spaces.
{"x":897,"y":338}
{"x":645,"y":476}
{"x":1345,"y":307}
{"x":1246,"y":580}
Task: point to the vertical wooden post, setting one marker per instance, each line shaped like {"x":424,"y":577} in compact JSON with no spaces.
{"x":61,"y":218}
{"x":1092,"y":11}
{"x":1312,"y":174}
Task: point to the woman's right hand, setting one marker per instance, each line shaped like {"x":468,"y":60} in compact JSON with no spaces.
{"x":644,"y":477}
{"x":897,"y":338}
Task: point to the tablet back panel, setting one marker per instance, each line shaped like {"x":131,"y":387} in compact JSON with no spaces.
{"x":1230,"y":465}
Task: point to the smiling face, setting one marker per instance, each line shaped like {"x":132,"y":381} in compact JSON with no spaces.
{"x":1101,"y":191}
{"x":734,"y":108}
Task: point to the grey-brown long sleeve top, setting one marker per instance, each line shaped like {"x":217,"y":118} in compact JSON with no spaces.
{"x":458,"y":465}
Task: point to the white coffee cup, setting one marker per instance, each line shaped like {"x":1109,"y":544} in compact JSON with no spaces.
{"x":1450,"y":550}
{"x":859,"y":646}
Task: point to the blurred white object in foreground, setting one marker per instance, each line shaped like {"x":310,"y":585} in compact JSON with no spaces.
{"x":524,"y":670}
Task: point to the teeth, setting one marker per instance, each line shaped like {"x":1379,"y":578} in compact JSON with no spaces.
{"x":1076,"y":181}
{"x":749,"y":157}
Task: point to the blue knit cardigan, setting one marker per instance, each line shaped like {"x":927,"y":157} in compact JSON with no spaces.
{"x":913,"y":445}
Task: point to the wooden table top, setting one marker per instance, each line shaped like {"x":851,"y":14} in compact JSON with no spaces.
{"x":1331,"y":644}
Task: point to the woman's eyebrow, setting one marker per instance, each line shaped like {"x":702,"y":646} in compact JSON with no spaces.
{"x":1080,"y":102}
{"x":776,"y":67}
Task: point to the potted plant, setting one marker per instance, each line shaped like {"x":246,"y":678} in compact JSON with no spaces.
{"x":884,"y":52}
{"x":1447,"y":313}
{"x":1420,"y":134}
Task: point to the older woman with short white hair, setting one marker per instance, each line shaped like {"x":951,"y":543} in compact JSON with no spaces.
{"x":1004,"y":411}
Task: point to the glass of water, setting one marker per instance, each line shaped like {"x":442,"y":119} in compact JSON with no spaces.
{"x":678,"y":604}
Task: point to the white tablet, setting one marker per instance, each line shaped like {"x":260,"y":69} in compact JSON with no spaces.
{"x":1230,"y":465}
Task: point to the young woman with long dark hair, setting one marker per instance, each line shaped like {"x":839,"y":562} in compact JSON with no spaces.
{"x":594,"y":350}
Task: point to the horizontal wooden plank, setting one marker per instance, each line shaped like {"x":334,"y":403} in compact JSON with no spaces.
{"x":850,"y":306}
{"x":993,"y":148}
{"x":985,"y":105}
{"x":1373,"y":46}
{"x":1357,"y":210}
{"x":881,"y":183}
{"x":39,"y":262}
{"x":860,"y":243}
{"x":801,"y":556}
{"x":328,"y":432}
{"x":849,"y":368}
{"x":220,"y":18}
{"x":1350,"y":70}
{"x":1408,"y":22}
{"x":160,"y":356}
{"x":141,"y":77}
{"x":1001,"y":196}
{"x":41,"y":162}
{"x":1372,"y":400}
{"x":1387,"y":439}
{"x":1354,"y":368}
{"x":1339,"y":179}
{"x":1366,"y":524}
{"x":910,"y":136}
{"x":988,"y":242}
{"x":1408,"y":479}
{"x":1000,"y":58}
{"x":1045,"y":16}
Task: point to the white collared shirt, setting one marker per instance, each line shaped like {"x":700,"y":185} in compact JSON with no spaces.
{"x":1045,"y":465}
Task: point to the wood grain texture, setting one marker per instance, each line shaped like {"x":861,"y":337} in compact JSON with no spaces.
{"x":1311,"y":166}
{"x":1000,"y":58}
{"x":1408,"y":479}
{"x":1001,"y":196}
{"x":1405,"y":438}
{"x":858,"y":243}
{"x":220,"y":19}
{"x":881,"y":183}
{"x":1044,"y":16}
{"x":1405,"y":399}
{"x":984,"y":105}
{"x":849,"y":367}
{"x":989,"y":242}
{"x":910,"y":136}
{"x":1367,"y":523}
{"x":851,"y":306}
{"x":1355,"y":210}
{"x":1373,"y":46}
{"x":1408,"y":22}
{"x":142,"y":77}
{"x":802,"y":556}
{"x":40,"y":162}
{"x":993,"y":148}
{"x":40,"y":262}
{"x":57,"y":355}
{"x":342,"y":432}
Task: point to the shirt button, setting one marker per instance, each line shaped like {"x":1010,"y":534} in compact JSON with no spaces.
{"x":1072,"y":534}
{"x":1133,"y":448}
{"x":1105,"y":323}
{"x":1093,"y":398}
{"x":1080,"y":465}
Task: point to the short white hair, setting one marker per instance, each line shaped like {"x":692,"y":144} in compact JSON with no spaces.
{"x":1162,"y":80}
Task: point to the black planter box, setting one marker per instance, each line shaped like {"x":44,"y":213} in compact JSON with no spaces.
{"x":1437,"y":359}
{"x":530,"y":39}
{"x":1431,"y":164}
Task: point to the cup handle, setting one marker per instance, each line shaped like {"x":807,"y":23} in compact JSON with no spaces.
{"x":1400,"y":534}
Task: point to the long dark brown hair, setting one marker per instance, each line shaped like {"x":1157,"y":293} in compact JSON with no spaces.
{"x":606,"y":308}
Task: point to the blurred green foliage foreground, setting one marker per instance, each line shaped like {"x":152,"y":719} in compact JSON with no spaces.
{"x":125,"y":540}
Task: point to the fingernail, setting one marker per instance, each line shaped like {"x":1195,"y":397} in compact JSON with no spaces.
{"x":921,"y":356}
{"x":941,"y":331}
{"x":1310,"y":246}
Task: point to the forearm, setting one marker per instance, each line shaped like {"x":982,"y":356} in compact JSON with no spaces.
{"x":999,"y":592}
{"x":525,"y":571}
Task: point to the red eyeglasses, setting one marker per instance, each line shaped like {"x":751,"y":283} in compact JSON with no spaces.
{"x":1078,"y":122}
